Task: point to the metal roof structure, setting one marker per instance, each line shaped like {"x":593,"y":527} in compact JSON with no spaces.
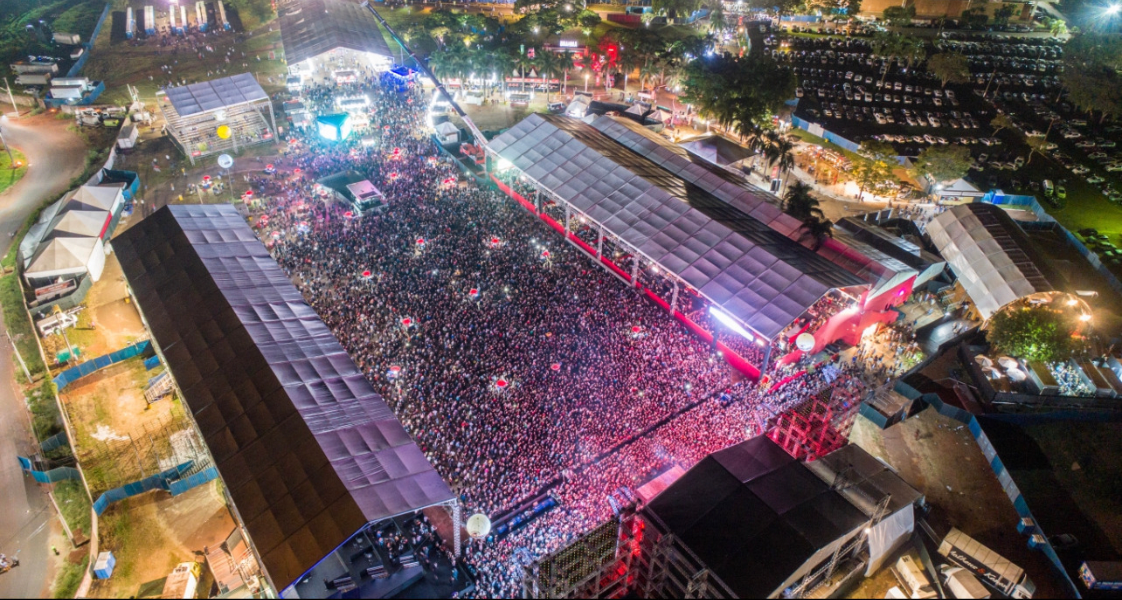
{"x":310,"y":28}
{"x":308,"y":451}
{"x":755,"y":516}
{"x":993,"y":258}
{"x":212,"y":95}
{"x":697,"y":221}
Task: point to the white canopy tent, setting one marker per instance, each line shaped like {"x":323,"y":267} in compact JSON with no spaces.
{"x":993,"y":258}
{"x":62,"y":257}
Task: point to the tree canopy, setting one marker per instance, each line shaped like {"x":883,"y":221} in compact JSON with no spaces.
{"x":731,"y":89}
{"x":1038,"y":333}
{"x":944,"y":163}
{"x":798,"y":202}
{"x":949,"y":67}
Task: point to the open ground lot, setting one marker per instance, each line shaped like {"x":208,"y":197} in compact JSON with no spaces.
{"x":152,"y":533}
{"x":938,"y":456}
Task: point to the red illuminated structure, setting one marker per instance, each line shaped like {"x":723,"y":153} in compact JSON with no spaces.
{"x":817,"y":426}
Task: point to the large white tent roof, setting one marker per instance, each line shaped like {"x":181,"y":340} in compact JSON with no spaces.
{"x":310,"y":28}
{"x":215,"y":94}
{"x":62,"y":256}
{"x":95,"y":197}
{"x":992,"y":256}
{"x":719,"y":236}
{"x":79,"y":223}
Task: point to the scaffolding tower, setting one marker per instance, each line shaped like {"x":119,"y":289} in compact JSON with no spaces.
{"x":817,"y":426}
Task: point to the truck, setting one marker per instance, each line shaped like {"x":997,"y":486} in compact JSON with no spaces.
{"x":33,"y":79}
{"x":70,"y":39}
{"x":912,"y":576}
{"x":961,"y":584}
{"x":993,"y":569}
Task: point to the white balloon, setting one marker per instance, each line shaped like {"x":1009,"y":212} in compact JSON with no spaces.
{"x":805,"y":342}
{"x":478,"y":525}
{"x":225,"y":161}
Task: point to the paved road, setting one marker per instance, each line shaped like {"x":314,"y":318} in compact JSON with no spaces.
{"x":55,"y":157}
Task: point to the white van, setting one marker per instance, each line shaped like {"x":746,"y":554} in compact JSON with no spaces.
{"x":1049,"y":189}
{"x":912,"y":575}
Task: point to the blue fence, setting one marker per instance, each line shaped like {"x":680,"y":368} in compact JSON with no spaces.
{"x":159,"y":481}
{"x":73,"y":374}
{"x":55,"y":441}
{"x":1003,"y":476}
{"x":49,"y":476}
{"x":81,"y":62}
{"x":179,"y":486}
{"x":827,"y":135}
{"x":151,"y":363}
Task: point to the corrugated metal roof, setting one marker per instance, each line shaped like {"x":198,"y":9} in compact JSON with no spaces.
{"x":310,"y":28}
{"x":992,"y":256}
{"x":719,"y":236}
{"x":308,"y":450}
{"x":215,"y":94}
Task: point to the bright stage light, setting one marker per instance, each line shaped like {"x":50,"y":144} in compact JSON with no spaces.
{"x":729,"y":322}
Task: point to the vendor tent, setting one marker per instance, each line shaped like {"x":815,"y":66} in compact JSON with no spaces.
{"x":79,"y":223}
{"x":67,"y":256}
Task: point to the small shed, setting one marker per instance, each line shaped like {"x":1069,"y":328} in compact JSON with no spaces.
{"x":447,"y":133}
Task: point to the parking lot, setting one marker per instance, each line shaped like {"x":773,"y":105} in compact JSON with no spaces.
{"x":843,"y":86}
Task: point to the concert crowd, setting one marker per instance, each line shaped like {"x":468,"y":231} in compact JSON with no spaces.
{"x":517,"y":365}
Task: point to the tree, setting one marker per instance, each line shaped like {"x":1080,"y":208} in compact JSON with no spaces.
{"x":1057,"y":27}
{"x":549,"y":65}
{"x":817,"y":231}
{"x":1002,"y":15}
{"x":1001,"y":121}
{"x":717,"y":20}
{"x":676,"y":8}
{"x":1035,"y":334}
{"x":975,"y":17}
{"x":949,"y":67}
{"x":894,"y":48}
{"x":1095,"y":87}
{"x":798,"y":203}
{"x":899,"y":16}
{"x":740,"y":93}
{"x":780,"y":152}
{"x":873,"y":166}
{"x":944,"y":163}
{"x":1036,"y":144}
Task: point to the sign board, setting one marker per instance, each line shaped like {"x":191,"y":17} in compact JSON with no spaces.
{"x":55,"y":289}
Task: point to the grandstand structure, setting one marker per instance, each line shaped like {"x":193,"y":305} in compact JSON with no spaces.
{"x":218,"y":116}
{"x":713,"y":250}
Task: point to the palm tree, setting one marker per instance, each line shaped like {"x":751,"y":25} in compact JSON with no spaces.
{"x":523,"y":62}
{"x":798,"y":203}
{"x":566,"y":66}
{"x":817,"y":231}
{"x":549,"y":65}
{"x":780,"y":152}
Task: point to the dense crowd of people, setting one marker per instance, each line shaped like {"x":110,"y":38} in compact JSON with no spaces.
{"x":516,"y":365}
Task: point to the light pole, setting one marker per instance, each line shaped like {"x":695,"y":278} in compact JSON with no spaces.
{"x":586,"y":82}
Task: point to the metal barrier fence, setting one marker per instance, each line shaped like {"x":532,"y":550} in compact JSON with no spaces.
{"x":192,"y":481}
{"x":73,"y":374}
{"x":81,"y":62}
{"x":50,"y":475}
{"x":55,"y":441}
{"x":159,"y":481}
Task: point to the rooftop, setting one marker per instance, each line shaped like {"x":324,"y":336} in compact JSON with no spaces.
{"x":307,"y":450}
{"x":310,"y":28}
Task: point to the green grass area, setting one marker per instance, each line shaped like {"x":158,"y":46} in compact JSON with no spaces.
{"x":69,"y":578}
{"x":74,"y":504}
{"x":17,"y":42}
{"x":141,"y":62}
{"x":9,"y":176}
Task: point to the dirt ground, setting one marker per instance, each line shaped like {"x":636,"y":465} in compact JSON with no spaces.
{"x":939,"y":457}
{"x":108,"y":323}
{"x":108,"y":407}
{"x":150,"y":534}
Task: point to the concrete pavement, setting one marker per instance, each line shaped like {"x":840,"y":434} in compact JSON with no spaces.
{"x":55,"y":156}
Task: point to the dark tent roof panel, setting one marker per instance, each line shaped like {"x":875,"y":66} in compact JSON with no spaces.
{"x":308,"y":450}
{"x":754,"y":515}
